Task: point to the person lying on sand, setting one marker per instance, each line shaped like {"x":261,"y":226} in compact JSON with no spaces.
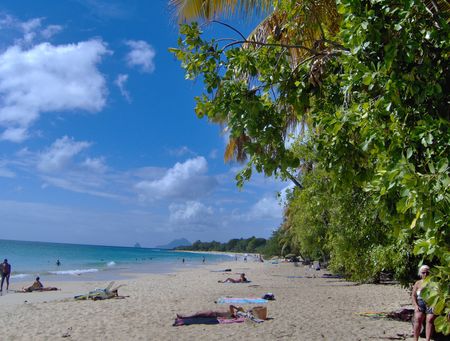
{"x":102,"y":294}
{"x":231,"y":313}
{"x":241,"y":279}
{"x":38,"y":286}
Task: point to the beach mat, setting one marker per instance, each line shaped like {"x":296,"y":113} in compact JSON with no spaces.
{"x":405,"y":314}
{"x":241,"y":300}
{"x":206,"y":320}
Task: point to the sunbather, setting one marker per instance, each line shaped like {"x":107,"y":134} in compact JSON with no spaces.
{"x":232,"y":311}
{"x":241,"y":279}
{"x":38,"y":286}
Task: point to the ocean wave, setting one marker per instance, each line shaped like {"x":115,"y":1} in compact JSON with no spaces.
{"x":73,"y":272}
{"x":112,"y":263}
{"x":20,"y":275}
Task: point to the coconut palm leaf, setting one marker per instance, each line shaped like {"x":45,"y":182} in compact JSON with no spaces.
{"x":308,"y":23}
{"x":187,"y":10}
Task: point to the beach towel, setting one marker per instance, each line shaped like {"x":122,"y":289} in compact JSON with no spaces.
{"x":206,"y":320}
{"x":404,"y":314}
{"x":241,"y":300}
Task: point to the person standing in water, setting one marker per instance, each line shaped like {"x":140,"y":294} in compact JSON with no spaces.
{"x":58,"y":263}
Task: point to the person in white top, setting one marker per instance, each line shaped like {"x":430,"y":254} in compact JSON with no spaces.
{"x":421,"y":310}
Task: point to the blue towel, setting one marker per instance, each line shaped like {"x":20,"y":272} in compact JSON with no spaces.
{"x":238,"y":300}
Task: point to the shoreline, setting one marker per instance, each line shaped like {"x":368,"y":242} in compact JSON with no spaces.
{"x":305,"y":308}
{"x":117,"y":272}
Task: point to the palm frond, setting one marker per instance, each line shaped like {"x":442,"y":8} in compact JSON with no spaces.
{"x":188,"y":10}
{"x":307,"y":24}
{"x":235,"y":148}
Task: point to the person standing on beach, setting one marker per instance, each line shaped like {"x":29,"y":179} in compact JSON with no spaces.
{"x":5,"y":273}
{"x":421,"y":310}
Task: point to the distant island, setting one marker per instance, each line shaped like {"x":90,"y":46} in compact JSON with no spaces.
{"x":175,"y":244}
{"x":137,"y":245}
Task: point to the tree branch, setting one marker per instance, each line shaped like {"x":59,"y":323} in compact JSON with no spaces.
{"x":293,"y":179}
{"x":230,"y":27}
{"x":313,"y":51}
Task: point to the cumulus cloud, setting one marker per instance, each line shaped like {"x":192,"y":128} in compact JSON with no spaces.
{"x":141,"y":55}
{"x":185,"y":180}
{"x":48,"y":78}
{"x":267,"y":207}
{"x":191,"y":213}
{"x":60,"y":154}
{"x":120,"y":82}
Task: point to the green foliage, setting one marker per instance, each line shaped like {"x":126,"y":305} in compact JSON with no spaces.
{"x":252,"y":244}
{"x":375,"y":154}
{"x":274,"y":245}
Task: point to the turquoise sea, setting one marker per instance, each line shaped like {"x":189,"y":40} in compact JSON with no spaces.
{"x":93,"y":262}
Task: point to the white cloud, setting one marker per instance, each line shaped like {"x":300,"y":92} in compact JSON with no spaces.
{"x":95,"y":164}
{"x":213,"y":154}
{"x":141,"y":55}
{"x":47,"y":78}
{"x":50,"y":31}
{"x":79,"y":183}
{"x":267,"y":207}
{"x":60,"y":154}
{"x":120,"y":82}
{"x":191,"y":213}
{"x":184,"y":150}
{"x":29,"y":31}
{"x":184,"y":181}
{"x":14,"y":134}
{"x":6,"y":173}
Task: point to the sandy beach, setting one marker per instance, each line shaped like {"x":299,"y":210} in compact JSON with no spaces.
{"x":304,"y":309}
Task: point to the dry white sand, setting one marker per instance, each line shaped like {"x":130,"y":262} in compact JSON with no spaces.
{"x":304,"y":309}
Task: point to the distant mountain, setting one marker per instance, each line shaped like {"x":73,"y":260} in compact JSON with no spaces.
{"x":137,"y":245}
{"x":175,"y":243}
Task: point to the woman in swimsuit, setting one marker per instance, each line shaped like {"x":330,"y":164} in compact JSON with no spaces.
{"x":241,"y":279}
{"x":231,"y":313}
{"x":421,"y":310}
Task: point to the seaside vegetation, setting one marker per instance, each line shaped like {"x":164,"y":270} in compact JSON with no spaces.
{"x":348,"y":99}
{"x":250,"y":245}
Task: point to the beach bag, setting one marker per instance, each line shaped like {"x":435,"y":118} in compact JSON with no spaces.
{"x":269,"y":296}
{"x":260,"y":312}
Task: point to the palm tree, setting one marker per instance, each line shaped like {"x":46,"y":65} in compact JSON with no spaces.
{"x":314,"y":19}
{"x":187,"y":10}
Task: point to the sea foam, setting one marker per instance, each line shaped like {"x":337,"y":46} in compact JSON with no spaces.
{"x":20,"y":276}
{"x":73,"y":272}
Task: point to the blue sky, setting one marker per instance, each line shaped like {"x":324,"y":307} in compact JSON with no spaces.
{"x":99,"y":143}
